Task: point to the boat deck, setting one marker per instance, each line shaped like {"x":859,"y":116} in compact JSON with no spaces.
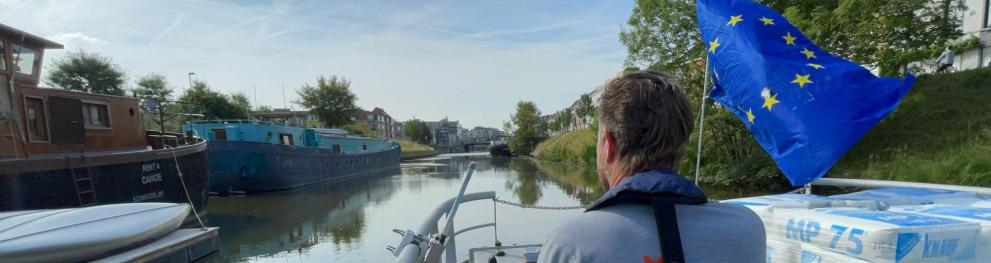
{"x":183,"y":245}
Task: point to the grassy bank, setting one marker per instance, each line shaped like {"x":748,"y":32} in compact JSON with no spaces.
{"x":577,"y":147}
{"x":412,"y":150}
{"x":940,"y":133}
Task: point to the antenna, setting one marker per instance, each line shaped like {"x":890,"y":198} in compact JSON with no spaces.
{"x":255,"y":88}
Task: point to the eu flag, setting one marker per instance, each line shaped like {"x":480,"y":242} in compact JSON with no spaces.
{"x":804,"y":106}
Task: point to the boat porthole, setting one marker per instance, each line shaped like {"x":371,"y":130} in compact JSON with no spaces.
{"x":131,"y":111}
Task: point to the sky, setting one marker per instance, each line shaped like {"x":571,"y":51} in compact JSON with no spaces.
{"x":470,"y":61}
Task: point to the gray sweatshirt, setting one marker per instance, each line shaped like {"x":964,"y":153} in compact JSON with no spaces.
{"x":627,"y":233}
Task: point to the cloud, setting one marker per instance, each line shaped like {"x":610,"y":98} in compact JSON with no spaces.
{"x":175,"y":23}
{"x":75,"y":37}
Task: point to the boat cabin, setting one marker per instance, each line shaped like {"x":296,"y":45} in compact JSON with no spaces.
{"x":37,"y":121}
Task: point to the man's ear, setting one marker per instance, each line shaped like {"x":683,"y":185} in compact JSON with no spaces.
{"x":609,"y":144}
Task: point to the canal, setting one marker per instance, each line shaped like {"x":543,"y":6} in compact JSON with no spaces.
{"x":352,"y":221}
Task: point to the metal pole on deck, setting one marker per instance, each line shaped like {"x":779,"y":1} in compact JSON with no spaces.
{"x":698,"y":152}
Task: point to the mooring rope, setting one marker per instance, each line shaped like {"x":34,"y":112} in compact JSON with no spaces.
{"x":184,"y":189}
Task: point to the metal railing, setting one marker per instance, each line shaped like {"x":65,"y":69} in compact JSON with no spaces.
{"x":867,"y":183}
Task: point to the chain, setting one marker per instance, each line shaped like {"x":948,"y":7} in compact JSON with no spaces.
{"x":521,"y":205}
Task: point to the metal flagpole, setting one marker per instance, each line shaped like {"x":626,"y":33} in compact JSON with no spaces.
{"x":698,"y":152}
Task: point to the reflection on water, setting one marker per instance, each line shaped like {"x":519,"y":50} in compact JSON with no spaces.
{"x":351,"y":221}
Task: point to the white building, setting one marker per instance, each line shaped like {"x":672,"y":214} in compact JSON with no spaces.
{"x":976,"y":22}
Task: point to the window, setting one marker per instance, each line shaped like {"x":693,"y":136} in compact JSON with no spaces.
{"x":24,"y":59}
{"x":370,"y":117}
{"x":285,"y":138}
{"x":987,"y":13}
{"x":36,"y":118}
{"x":3,"y":58}
{"x":219,"y":134}
{"x":96,"y":116}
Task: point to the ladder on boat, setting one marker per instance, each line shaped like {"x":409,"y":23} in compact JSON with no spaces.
{"x":83,"y":182}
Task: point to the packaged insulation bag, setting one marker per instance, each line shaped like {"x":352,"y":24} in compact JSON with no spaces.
{"x":878,"y":236}
{"x":783,"y":201}
{"x":781,"y":250}
{"x":814,"y":254}
{"x":897,"y":196}
{"x":978,"y":215}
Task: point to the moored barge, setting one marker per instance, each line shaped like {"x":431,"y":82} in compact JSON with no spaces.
{"x":61,"y":148}
{"x":253,"y":156}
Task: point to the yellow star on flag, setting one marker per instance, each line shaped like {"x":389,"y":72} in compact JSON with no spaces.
{"x":801,"y":80}
{"x":808,"y":53}
{"x":789,"y":40}
{"x":815,"y":66}
{"x":713,"y":45}
{"x":734,"y":19}
{"x":769,"y":102}
{"x":767,"y":21}
{"x":750,"y":115}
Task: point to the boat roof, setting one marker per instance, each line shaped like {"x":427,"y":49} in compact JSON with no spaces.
{"x":13,"y":34}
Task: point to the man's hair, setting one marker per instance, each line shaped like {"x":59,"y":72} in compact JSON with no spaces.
{"x":650,"y":119}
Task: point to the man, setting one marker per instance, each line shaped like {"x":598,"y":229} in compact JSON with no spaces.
{"x":945,"y":60}
{"x":644,"y":124}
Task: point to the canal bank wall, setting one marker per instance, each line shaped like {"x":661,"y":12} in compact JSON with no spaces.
{"x":416,"y":155}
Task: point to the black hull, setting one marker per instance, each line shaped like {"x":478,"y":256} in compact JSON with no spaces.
{"x":238,"y":167}
{"x":105,"y":178}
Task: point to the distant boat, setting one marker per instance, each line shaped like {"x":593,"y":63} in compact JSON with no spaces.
{"x":83,"y":234}
{"x":252,"y":156}
{"x":61,"y":148}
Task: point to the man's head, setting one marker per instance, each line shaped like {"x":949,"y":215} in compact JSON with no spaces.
{"x":644,"y":122}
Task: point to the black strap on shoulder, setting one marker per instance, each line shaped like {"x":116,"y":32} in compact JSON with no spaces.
{"x":667,"y":229}
{"x":665,"y":216}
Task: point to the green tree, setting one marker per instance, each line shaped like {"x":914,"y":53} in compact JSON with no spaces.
{"x":528,"y":128}
{"x":878,"y":34}
{"x":87,"y":72}
{"x":418,"y":131}
{"x":153,"y":86}
{"x":331,"y":100}
{"x":563,"y":119}
{"x":360,"y":129}
{"x":240,"y":100}
{"x":212,"y":104}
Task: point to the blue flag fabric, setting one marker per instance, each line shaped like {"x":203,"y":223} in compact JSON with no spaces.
{"x":804,"y":106}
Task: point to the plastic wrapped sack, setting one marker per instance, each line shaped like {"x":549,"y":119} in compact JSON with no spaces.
{"x":963,"y":213}
{"x":783,"y":201}
{"x":878,"y":236}
{"x":782,"y":250}
{"x":896,"y":196}
{"x":814,"y":254}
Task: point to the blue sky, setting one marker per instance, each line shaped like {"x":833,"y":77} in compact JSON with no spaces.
{"x":467,"y":60}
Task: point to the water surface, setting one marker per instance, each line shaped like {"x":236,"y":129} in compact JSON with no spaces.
{"x":352,"y":221}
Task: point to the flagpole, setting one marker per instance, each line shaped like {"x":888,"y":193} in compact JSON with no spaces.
{"x":698,"y":152}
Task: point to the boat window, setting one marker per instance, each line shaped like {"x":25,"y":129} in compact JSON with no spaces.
{"x":285,"y":138}
{"x":337,"y":148}
{"x":364,"y":147}
{"x":96,"y":116}
{"x":24,"y":59}
{"x":36,"y":119}
{"x":219,"y":134}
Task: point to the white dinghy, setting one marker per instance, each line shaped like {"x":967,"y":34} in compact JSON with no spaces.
{"x":82,"y":234}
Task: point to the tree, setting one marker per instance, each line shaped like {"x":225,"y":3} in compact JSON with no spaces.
{"x":213,"y":105}
{"x":878,"y":34}
{"x":153,"y":86}
{"x":529,"y":128}
{"x":87,"y":72}
{"x":240,"y":100}
{"x":563,"y":120}
{"x":331,"y":100}
{"x":360,"y":129}
{"x":418,"y":131}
